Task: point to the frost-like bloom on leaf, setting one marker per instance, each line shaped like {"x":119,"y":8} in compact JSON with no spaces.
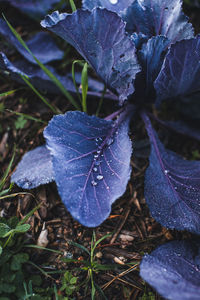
{"x":173,"y":270}
{"x":143,"y":60}
{"x":144,"y":52}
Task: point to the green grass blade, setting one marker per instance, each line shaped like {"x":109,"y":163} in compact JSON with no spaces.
{"x":46,"y":70}
{"x":26,"y":80}
{"x":79,"y":246}
{"x":17,"y":35}
{"x":29,"y":214}
{"x":73,"y":78}
{"x":58,"y":83}
{"x":5,"y":175}
{"x":84,"y":84}
{"x":100,"y":291}
{"x":14,"y":195}
{"x":43,"y":248}
{"x":101,"y":101}
{"x":5,"y":94}
{"x":72,"y":4}
{"x":101,"y":239}
{"x":27,"y":116}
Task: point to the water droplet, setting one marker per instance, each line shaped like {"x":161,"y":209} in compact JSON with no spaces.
{"x":98,"y":151}
{"x":94,"y":183}
{"x":166,"y":172}
{"x":109,"y":141}
{"x":95,"y":169}
{"x":97,"y":139}
{"x":97,"y":163}
{"x":113,"y":1}
{"x":107,"y":188}
{"x":96,"y":156}
{"x":99,"y":177}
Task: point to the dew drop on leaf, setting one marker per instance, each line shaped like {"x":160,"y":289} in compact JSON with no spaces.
{"x":99,"y":177}
{"x":94,"y":183}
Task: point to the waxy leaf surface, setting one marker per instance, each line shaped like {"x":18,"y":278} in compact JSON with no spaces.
{"x":180,"y":72}
{"x":172,"y":186}
{"x":33,"y":8}
{"x":34,"y":169}
{"x":91,"y":161}
{"x":173,"y":270}
{"x":158,"y":17}
{"x":42,"y":45}
{"x":113,"y":5}
{"x":99,"y":36}
{"x":151,"y":57}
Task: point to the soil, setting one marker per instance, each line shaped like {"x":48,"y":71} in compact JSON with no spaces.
{"x":132,"y":230}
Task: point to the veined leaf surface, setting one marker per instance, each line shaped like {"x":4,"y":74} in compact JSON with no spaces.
{"x":172,"y":186}
{"x":91,"y":162}
{"x":173,"y":270}
{"x":100,"y":37}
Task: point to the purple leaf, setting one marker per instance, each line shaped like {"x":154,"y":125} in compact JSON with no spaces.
{"x":173,"y":270}
{"x":91,"y":161}
{"x":42,"y":45}
{"x":36,"y":75}
{"x":41,"y":81}
{"x":138,"y":39}
{"x":182,"y":128}
{"x":99,"y":36}
{"x":151,"y":57}
{"x":34,"y":169}
{"x":113,"y":5}
{"x":158,"y":17}
{"x":172,"y":186}
{"x":180,"y":72}
{"x":33,"y":8}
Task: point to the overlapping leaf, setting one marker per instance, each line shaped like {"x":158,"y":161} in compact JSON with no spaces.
{"x":100,"y":38}
{"x":158,"y":17}
{"x":34,"y":169}
{"x":172,"y":186}
{"x":41,"y":81}
{"x":151,"y":57}
{"x":113,"y":5}
{"x":173,"y":270}
{"x":42,"y":45}
{"x":182,"y":128}
{"x":91,"y":161}
{"x":36,"y":75}
{"x":33,"y":8}
{"x":180,"y":72}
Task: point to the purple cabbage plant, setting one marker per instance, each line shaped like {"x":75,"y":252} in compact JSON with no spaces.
{"x":146,"y":53}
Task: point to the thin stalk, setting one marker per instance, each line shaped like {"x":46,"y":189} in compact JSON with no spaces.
{"x":84,"y":84}
{"x":73,"y":6}
{"x":115,"y":114}
{"x":101,"y":101}
{"x":45,"y":69}
{"x":27,"y":116}
{"x":38,"y":93}
{"x":73,"y":78}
